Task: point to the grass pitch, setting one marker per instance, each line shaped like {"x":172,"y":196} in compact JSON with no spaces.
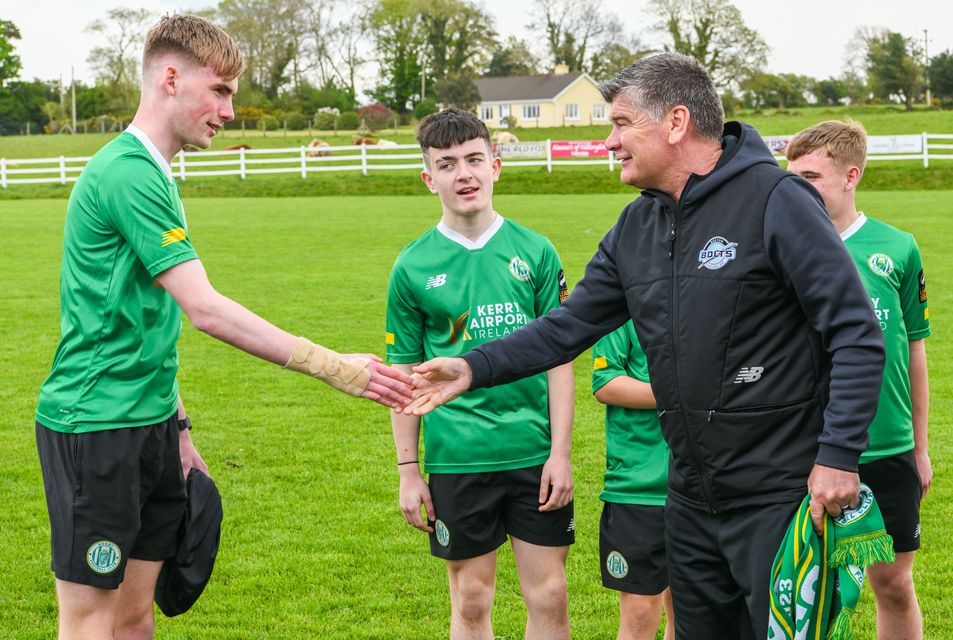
{"x":313,"y":544}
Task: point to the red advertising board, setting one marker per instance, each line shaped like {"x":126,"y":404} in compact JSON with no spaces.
{"x":579,"y":149}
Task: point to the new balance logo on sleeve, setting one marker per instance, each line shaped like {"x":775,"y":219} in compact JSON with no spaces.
{"x":749,"y":374}
{"x":436,"y":281}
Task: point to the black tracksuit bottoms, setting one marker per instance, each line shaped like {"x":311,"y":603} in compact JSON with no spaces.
{"x":719,"y":568}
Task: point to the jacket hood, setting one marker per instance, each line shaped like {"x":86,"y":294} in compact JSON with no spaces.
{"x":742,"y":148}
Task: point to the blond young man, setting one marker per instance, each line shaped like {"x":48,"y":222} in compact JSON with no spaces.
{"x":831,"y":156}
{"x":498,"y":460}
{"x":112,"y":432}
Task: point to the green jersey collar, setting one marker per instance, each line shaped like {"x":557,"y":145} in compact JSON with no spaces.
{"x":854,"y":227}
{"x":139,"y":135}
{"x":465,"y":242}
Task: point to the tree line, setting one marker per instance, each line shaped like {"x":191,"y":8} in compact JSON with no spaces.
{"x":310,"y":59}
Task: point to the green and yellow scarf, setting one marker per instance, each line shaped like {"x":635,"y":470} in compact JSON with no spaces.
{"x":816,"y":580}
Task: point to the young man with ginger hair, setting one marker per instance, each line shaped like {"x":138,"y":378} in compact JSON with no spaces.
{"x":112,"y":433}
{"x":896,"y":466}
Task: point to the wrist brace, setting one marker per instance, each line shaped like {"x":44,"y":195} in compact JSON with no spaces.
{"x":349,"y":376}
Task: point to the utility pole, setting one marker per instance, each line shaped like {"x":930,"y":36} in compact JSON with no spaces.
{"x":72,"y":76}
{"x":926,"y":66}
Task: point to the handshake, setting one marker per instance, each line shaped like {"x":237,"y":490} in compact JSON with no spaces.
{"x":432,"y":384}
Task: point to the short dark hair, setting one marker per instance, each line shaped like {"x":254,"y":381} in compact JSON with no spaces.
{"x":657,"y":83}
{"x":446,"y":128}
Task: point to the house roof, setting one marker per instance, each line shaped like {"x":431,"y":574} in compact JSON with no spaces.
{"x":518,"y":88}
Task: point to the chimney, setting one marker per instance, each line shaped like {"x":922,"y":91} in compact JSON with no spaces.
{"x":561,"y":69}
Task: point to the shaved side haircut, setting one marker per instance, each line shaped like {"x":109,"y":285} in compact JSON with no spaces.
{"x":446,"y":128}
{"x":196,"y":39}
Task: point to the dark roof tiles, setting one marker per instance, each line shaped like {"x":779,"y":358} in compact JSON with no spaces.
{"x":522,"y":88}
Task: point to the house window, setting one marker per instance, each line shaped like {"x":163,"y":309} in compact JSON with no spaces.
{"x":486,"y":113}
{"x":572,"y":112}
{"x":598,"y":112}
{"x":531,"y":111}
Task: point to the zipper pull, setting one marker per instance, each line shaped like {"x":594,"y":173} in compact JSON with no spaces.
{"x":671,"y":242}
{"x":709,"y":415}
{"x":660,"y":412}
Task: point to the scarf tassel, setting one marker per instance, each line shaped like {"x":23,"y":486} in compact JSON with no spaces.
{"x":842,"y":628}
{"x":863,"y":550}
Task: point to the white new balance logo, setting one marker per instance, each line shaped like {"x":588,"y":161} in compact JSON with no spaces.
{"x":436,"y":281}
{"x":572,"y":525}
{"x":749,"y":374}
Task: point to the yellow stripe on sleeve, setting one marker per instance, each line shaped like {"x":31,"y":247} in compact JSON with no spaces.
{"x":172,"y":236}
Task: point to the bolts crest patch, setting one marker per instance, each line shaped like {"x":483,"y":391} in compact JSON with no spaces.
{"x":519,"y":269}
{"x":881,"y":264}
{"x":717,"y":253}
{"x":442,"y":533}
{"x":103,"y":556}
{"x":616,"y":565}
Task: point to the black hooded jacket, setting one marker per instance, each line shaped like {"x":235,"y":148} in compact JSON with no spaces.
{"x":763,"y":351}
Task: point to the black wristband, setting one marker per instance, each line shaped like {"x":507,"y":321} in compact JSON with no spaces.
{"x":400,"y":464}
{"x":185,"y":423}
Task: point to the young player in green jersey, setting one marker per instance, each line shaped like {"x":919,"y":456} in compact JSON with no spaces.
{"x":632,"y":528}
{"x":896,"y":465}
{"x":112,"y":432}
{"x":498,"y":459}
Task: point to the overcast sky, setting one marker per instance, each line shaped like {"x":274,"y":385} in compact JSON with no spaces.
{"x":806,"y":36}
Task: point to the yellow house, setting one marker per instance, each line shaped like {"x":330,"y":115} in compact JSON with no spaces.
{"x":558,"y":99}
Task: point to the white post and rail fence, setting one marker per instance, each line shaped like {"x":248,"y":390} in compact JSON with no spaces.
{"x":307,"y":161}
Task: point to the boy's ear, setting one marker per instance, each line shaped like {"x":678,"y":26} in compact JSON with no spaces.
{"x":428,"y":180}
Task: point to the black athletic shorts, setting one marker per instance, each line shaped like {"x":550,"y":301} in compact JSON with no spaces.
{"x":111,"y":495}
{"x":895,"y":482}
{"x":476,"y":511}
{"x":632,"y":548}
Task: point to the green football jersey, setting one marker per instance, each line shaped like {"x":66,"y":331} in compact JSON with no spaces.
{"x":447,"y":295}
{"x":636,"y":453}
{"x":889,"y":264}
{"x":116,"y":362}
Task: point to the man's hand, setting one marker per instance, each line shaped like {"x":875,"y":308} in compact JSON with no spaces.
{"x":925,"y":468}
{"x":437,"y":382}
{"x":189,"y":456}
{"x":387,"y":385}
{"x":833,"y":491}
{"x":413,"y":493}
{"x":555,"y":485}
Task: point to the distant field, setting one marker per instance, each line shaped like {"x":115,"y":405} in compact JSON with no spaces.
{"x":877,"y":120}
{"x":313,"y":544}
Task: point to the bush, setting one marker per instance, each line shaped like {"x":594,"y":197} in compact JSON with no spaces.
{"x":324,"y":120}
{"x":349,"y":120}
{"x":376,"y":116}
{"x":424,"y":108}
{"x":296,"y":121}
{"x":268,"y":122}
{"x":248,"y":113}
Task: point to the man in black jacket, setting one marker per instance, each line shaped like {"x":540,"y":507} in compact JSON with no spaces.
{"x":764,"y":356}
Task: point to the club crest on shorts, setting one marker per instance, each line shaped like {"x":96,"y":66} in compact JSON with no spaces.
{"x":881,"y":264}
{"x":850,"y":516}
{"x":519,"y":269}
{"x":442,"y":533}
{"x":717,"y":253}
{"x":616,"y":565}
{"x":103,"y":556}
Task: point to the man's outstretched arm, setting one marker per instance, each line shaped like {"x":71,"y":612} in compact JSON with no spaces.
{"x":212,"y":313}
